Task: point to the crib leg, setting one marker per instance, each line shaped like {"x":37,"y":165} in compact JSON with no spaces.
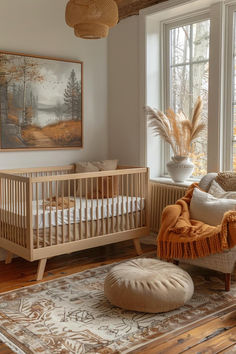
{"x":227,"y":281}
{"x":41,"y":268}
{"x":8,"y":257}
{"x":137,"y":246}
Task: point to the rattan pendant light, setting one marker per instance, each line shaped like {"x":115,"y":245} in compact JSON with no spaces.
{"x":91,"y":19}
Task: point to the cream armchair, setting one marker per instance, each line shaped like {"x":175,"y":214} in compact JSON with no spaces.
{"x":223,"y":262}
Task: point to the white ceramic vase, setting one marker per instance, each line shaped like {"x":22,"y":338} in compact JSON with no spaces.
{"x":180,"y":168}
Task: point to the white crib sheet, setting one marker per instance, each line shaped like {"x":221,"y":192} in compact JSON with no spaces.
{"x":129,"y":204}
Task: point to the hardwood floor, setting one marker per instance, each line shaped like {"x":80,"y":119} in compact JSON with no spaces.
{"x":216,"y":334}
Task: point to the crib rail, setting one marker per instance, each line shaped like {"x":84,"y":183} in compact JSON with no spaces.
{"x":46,"y":209}
{"x":41,"y":171}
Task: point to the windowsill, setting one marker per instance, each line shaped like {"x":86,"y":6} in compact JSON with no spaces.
{"x":168,"y":180}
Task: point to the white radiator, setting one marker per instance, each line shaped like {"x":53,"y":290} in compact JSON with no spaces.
{"x":161,"y":196}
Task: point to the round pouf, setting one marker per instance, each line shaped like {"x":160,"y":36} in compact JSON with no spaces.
{"x":148,"y":285}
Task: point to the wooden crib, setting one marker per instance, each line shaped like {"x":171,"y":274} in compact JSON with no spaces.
{"x":51,"y":211}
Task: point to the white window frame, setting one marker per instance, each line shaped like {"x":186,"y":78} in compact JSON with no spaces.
{"x":185,"y":9}
{"x":229,"y":61}
{"x":166,"y":27}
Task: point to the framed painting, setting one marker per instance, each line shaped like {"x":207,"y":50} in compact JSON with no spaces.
{"x":41,"y":103}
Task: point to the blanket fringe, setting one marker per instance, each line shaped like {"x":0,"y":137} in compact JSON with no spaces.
{"x":190,"y":249}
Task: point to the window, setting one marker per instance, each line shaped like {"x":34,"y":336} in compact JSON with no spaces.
{"x":195,"y":56}
{"x":187,"y":77}
{"x":233,"y":112}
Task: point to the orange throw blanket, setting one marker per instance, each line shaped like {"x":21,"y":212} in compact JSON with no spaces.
{"x":181,"y":237}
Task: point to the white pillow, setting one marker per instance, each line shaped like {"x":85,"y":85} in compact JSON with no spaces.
{"x":208,"y":209}
{"x":217,"y":191}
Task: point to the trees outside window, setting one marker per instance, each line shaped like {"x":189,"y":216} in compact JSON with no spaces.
{"x":188,"y":72}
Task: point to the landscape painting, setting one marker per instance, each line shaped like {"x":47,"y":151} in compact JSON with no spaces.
{"x":40,"y":102}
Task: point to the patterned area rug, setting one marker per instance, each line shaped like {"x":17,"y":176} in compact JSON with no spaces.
{"x":71,"y":315}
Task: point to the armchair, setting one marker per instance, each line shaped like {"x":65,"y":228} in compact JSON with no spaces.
{"x":223,"y":262}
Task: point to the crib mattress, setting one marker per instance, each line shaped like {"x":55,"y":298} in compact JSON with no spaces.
{"x":93,"y":208}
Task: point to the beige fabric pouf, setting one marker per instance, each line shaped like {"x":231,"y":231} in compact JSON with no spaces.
{"x":148,"y":285}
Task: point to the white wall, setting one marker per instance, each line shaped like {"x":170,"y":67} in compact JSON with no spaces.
{"x":38,"y":27}
{"x":123,"y":91}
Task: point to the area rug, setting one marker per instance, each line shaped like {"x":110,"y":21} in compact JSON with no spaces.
{"x":71,"y":315}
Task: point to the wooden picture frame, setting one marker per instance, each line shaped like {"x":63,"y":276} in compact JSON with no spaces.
{"x":41,"y":102}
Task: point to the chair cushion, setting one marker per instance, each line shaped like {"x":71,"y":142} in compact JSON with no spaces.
{"x":148,"y":285}
{"x":217,"y":191}
{"x":208,"y":209}
{"x":206,"y":181}
{"x":227,"y":180}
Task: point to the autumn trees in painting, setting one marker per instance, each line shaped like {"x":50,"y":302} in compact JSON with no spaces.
{"x":40,"y":102}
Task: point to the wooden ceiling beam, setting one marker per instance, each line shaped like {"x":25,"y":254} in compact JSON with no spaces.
{"x":132,"y":7}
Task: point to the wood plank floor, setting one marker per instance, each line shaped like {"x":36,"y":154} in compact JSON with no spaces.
{"x":216,"y":334}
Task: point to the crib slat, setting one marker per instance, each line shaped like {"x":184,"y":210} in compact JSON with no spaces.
{"x":44,"y":231}
{"x":37,"y":213}
{"x":1,"y":207}
{"x":107,"y":204}
{"x":112,"y":207}
{"x":8,"y":205}
{"x":127,"y":202}
{"x":102,"y":205}
{"x":28,"y":214}
{"x":132,"y":199}
{"x":122,"y":203}
{"x":80,"y":210}
{"x":50,"y":215}
{"x":69,"y":237}
{"x":142,"y":193}
{"x":91,"y":221}
{"x":8,"y":209}
{"x":56,"y":192}
{"x":74,"y":187}
{"x":62,"y":215}
{"x":14,"y":209}
{"x":97,"y":210}
{"x":117,"y":204}
{"x":136,"y":202}
{"x":5,"y":206}
{"x":86,"y":208}
{"x":1,"y":203}
{"x":15,"y":212}
{"x":20,"y":211}
{"x":25,"y":212}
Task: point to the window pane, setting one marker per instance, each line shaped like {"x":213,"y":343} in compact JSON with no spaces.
{"x":200,"y":88}
{"x":180,"y":50}
{"x":189,"y":73}
{"x":234,"y":156}
{"x":201,"y":32}
{"x":180,"y":88}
